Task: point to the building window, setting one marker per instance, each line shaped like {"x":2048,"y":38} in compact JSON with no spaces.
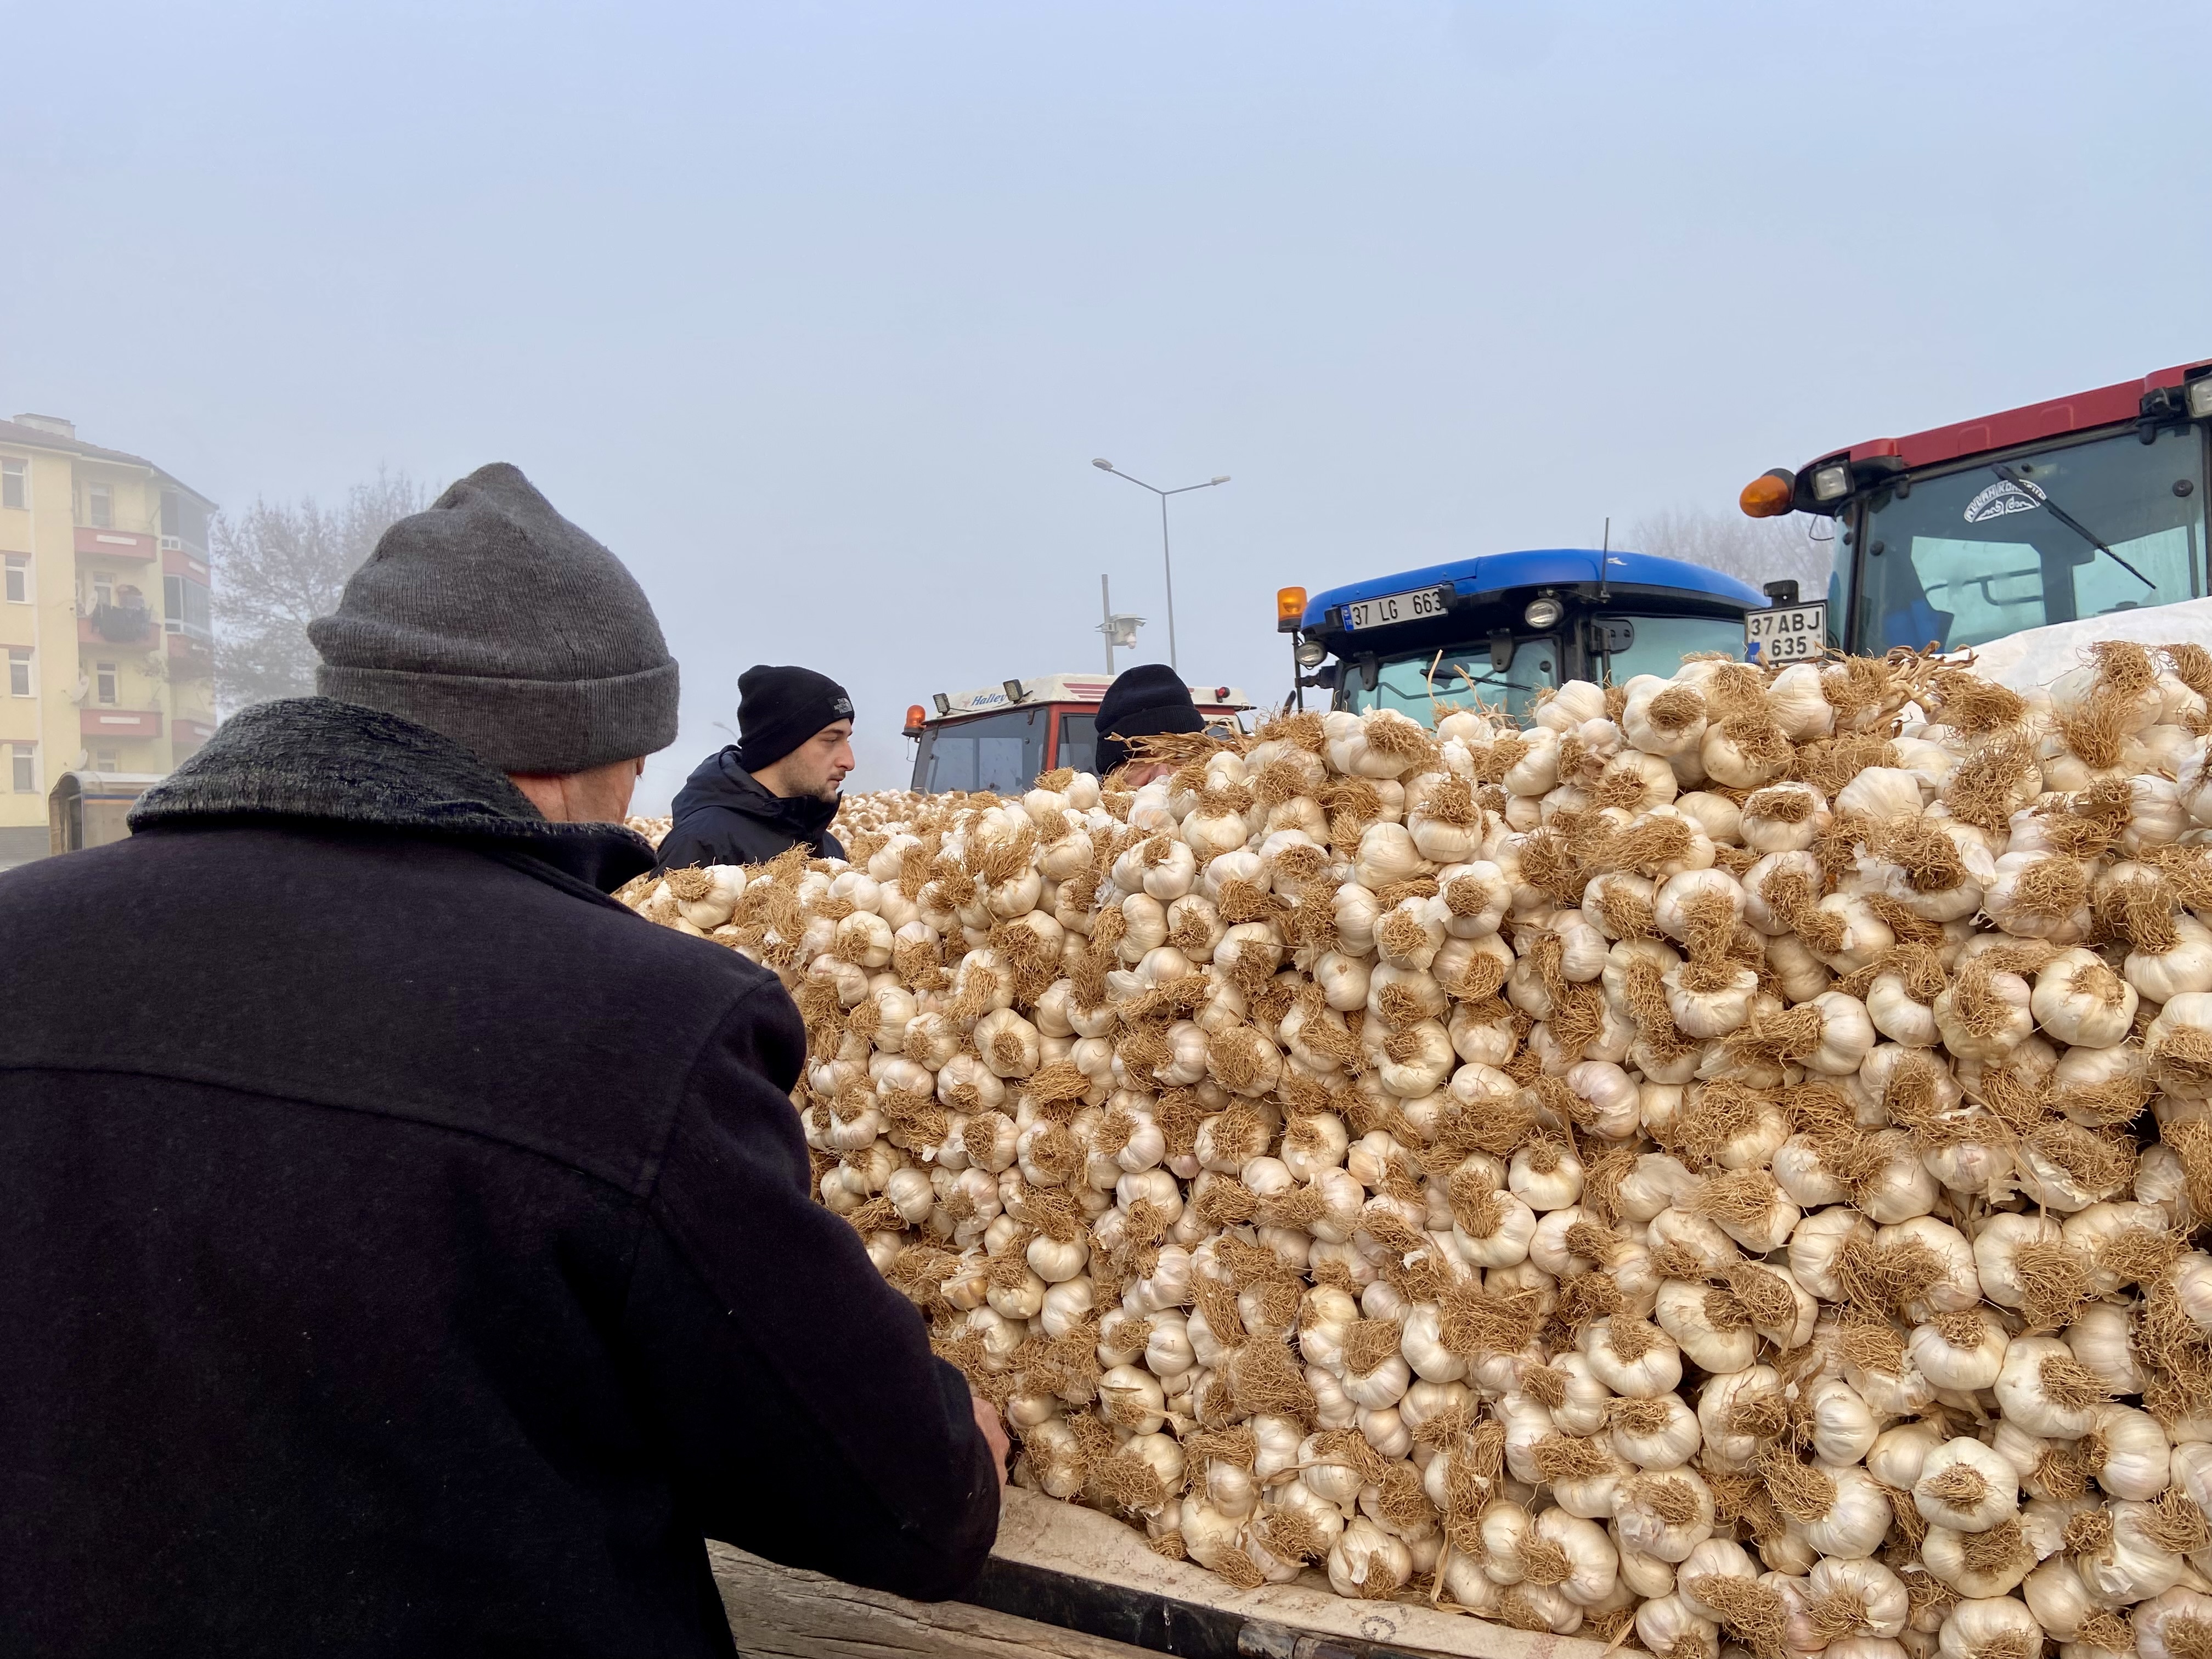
{"x":103,"y":589}
{"x":105,"y":760}
{"x":19,"y":671}
{"x":103,"y":680}
{"x":19,"y":579}
{"x":184,"y":607}
{"x":15,"y":486}
{"x":99,"y":506}
{"x":184,"y":519}
{"x":23,"y":761}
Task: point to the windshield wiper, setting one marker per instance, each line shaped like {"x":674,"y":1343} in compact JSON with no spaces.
{"x":1492,"y":678}
{"x":2070,"y":522}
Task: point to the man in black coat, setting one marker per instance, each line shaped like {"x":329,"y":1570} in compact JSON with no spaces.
{"x":408,"y":1249}
{"x":776,"y":786}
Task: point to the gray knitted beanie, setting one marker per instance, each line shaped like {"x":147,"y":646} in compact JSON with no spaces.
{"x":494,"y":621}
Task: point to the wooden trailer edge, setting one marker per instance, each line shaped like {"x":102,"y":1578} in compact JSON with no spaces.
{"x":780,"y":1612}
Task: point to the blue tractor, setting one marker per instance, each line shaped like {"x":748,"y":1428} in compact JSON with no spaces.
{"x":1502,"y":627}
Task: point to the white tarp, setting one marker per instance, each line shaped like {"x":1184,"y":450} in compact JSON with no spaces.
{"x":2037,"y":656}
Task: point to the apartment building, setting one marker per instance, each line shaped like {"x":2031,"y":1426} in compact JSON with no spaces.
{"x":103,"y":616}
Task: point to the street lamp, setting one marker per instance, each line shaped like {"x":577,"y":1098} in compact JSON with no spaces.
{"x":1166,"y":564}
{"x":1120,"y":629}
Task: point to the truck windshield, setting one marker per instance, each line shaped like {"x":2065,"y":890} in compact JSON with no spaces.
{"x":1972,"y":555}
{"x":1461,"y":676}
{"x":1001,"y":753}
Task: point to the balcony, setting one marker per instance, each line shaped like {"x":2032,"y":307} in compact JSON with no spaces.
{"x":116,"y":624}
{"x":190,"y":658}
{"x":122,"y":544}
{"x":188,"y":732}
{"x":119,"y":722}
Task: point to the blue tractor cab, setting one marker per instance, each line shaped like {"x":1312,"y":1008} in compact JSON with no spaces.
{"x":1501,"y":626}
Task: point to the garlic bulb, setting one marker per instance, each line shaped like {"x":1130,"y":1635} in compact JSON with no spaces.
{"x":2172,"y":1624}
{"x":1668,"y":1630}
{"x":2046,"y":1390}
{"x":1880,"y":793}
{"x":2079,"y":1001}
{"x":1663,"y":1515}
{"x":1991,"y":1566}
{"x":1898,"y":1454}
{"x":1365,"y":1560}
{"x":1635,"y":1359}
{"x":1837,"y":1511}
{"x":1966,"y":1487}
{"x":1866,"y":1592}
{"x":1963,"y":1350}
{"x":2132,"y":1563}
{"x":2136,"y":1452}
{"x":2179,"y":1045}
{"x":1989,"y":1627}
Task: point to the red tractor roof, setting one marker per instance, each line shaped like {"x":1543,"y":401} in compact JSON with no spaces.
{"x":2105,"y":406}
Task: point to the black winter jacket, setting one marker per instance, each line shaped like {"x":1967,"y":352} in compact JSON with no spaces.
{"x":725,"y":815}
{"x":410,"y":1251}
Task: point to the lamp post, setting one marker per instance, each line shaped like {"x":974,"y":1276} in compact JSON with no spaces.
{"x":1166,"y":563}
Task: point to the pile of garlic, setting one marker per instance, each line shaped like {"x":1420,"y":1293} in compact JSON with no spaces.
{"x":1714,"y":1168}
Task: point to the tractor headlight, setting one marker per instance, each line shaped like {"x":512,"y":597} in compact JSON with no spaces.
{"x":1833,"y":482}
{"x":1542,"y":613}
{"x":2200,"y":399}
{"x":1311,"y":654}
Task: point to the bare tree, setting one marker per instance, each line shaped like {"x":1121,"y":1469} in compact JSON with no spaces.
{"x":279,"y":566}
{"x":1755,"y":550}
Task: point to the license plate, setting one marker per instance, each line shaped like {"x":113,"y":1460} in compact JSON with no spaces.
{"x":1422,"y":602}
{"x":1788,"y":633}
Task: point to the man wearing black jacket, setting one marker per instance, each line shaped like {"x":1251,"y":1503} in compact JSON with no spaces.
{"x":408,"y":1250}
{"x":776,"y":786}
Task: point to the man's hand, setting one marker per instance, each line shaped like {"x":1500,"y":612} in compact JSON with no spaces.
{"x":994,"y":1433}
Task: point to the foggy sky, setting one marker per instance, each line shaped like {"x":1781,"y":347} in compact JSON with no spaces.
{"x":817,"y":313}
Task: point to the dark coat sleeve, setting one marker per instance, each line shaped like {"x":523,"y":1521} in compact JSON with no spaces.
{"x":809,"y":1420}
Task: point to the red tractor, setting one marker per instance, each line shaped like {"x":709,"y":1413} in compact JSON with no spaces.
{"x":1000,"y":739}
{"x":2081,"y":507}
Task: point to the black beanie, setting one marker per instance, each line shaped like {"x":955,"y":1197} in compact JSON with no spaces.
{"x":1143,"y":702}
{"x":495,"y":621}
{"x":780,"y":708}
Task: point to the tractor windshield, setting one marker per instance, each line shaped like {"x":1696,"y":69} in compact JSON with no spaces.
{"x":1661,"y":643}
{"x":1427,"y":686}
{"x":2051,"y":536}
{"x":1001,"y":753}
